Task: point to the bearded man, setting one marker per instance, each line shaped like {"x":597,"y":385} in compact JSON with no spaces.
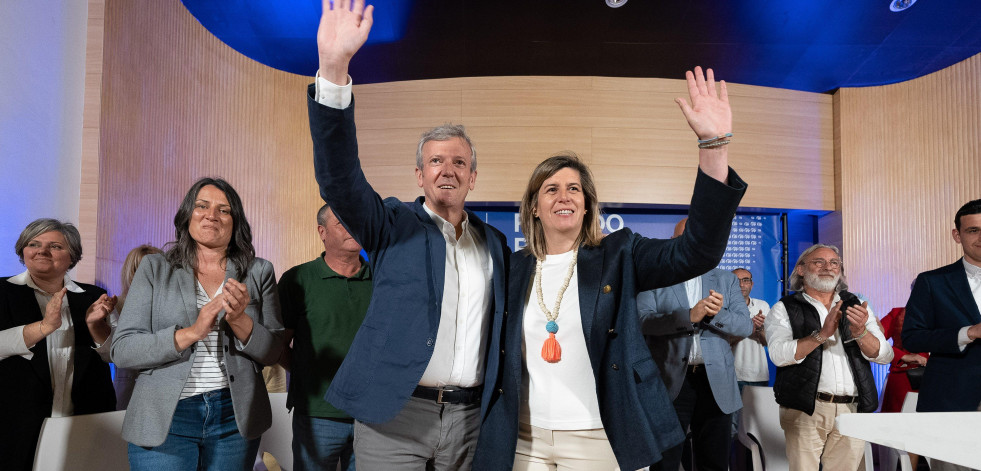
{"x":822,"y":339}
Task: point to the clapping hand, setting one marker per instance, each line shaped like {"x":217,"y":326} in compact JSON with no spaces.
{"x":235,"y":300}
{"x":52,"y":312}
{"x":758,"y":321}
{"x":707,"y":306}
{"x":100,"y":309}
{"x":831,"y":322}
{"x":208,"y":316}
{"x":857,"y":315}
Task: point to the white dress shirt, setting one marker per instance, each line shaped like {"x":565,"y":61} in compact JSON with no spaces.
{"x":748,"y":355}
{"x":458,"y":358}
{"x":60,"y":345}
{"x":693,"y":288}
{"x":836,"y":376}
{"x":974,"y":281}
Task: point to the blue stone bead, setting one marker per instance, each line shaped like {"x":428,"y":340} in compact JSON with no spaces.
{"x":552,"y":327}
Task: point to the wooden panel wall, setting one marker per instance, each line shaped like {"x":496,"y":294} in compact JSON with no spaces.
{"x":88,"y":198}
{"x":910,"y":157}
{"x":178,"y":104}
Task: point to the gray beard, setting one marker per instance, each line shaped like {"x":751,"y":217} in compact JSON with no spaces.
{"x":820,"y":284}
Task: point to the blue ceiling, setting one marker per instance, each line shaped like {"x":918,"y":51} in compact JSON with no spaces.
{"x":814,"y":45}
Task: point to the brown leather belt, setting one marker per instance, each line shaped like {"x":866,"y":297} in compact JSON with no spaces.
{"x":825,"y":397}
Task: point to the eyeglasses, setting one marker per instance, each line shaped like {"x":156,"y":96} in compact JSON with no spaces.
{"x":745,"y":281}
{"x":821,"y":263}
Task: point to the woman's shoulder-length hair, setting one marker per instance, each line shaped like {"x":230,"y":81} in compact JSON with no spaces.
{"x":181,"y":253}
{"x":589,"y":234}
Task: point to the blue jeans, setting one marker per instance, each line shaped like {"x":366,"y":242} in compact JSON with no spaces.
{"x":203,"y":436}
{"x":322,"y":444}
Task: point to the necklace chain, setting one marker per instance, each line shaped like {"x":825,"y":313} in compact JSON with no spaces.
{"x":552,"y":315}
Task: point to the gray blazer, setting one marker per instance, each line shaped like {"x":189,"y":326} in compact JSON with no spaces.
{"x":667,"y":327}
{"x":162,"y":300}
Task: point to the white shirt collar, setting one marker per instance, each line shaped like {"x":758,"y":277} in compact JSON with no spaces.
{"x":445,"y":226}
{"x":24,"y":279}
{"x":812,"y":300}
{"x":973,"y":271}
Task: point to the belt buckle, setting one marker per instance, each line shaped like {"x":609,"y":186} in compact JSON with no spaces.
{"x":439,"y":396}
{"x":832,"y":398}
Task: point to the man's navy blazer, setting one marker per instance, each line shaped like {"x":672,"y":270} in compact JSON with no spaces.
{"x":407,"y":254}
{"x":666,"y":323}
{"x":939,"y":306}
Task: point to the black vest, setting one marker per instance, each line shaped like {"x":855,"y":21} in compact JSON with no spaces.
{"x":795,"y":386}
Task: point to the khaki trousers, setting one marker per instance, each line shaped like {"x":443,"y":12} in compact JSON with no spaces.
{"x":541,"y":449}
{"x":814,"y":440}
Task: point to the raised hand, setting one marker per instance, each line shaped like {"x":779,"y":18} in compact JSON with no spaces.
{"x":707,"y":306}
{"x":709,"y":114}
{"x":344,"y":27}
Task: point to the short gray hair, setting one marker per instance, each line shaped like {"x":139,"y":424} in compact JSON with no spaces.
{"x":40,"y":226}
{"x":444,"y":133}
{"x":797,"y":281}
{"x":322,"y":215}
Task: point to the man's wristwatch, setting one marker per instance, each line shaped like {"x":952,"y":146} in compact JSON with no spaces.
{"x":818,"y":338}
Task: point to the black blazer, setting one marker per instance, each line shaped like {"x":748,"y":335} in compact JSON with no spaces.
{"x":26,"y":397}
{"x":939,"y":306}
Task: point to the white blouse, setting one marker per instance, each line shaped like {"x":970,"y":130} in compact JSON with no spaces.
{"x":561,"y":395}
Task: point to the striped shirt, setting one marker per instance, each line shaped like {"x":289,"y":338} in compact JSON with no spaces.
{"x":208,"y":369}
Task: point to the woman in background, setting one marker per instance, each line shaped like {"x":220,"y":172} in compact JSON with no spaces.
{"x":54,"y":341}
{"x":897,"y":382}
{"x":199,"y":323}
{"x":125,"y":378}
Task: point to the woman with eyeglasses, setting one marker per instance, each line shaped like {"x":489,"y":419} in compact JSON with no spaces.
{"x":54,"y":341}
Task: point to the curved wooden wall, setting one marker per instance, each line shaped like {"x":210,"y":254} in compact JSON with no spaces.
{"x":910,"y":157}
{"x":178,"y":104}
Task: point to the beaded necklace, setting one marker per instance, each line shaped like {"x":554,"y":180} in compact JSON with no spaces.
{"x":551,"y":351}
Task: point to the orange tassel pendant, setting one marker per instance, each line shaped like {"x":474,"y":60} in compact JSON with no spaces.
{"x":551,"y":351}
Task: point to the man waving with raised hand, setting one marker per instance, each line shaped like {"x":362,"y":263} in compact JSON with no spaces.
{"x":413,"y":378}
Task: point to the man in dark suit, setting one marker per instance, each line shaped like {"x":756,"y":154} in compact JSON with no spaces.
{"x":688,"y":327}
{"x":942,"y":318}
{"x":413,"y":377}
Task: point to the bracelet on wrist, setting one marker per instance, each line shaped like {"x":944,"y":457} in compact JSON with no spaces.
{"x":718,"y":138}
{"x":714,"y":142}
{"x":713,"y":145}
{"x":864,"y":331}
{"x":818,"y":338}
